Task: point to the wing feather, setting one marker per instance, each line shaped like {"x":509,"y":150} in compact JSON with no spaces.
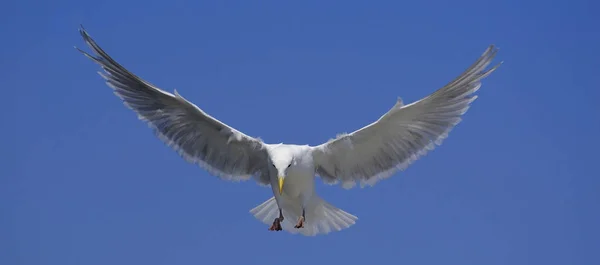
{"x":196,"y":136}
{"x":401,"y":135}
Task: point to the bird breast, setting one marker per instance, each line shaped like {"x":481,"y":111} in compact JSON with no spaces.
{"x":300,"y":180}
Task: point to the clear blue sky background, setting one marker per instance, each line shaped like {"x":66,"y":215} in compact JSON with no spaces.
{"x":82,"y":181}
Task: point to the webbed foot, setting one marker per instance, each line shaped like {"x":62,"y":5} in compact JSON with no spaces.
{"x":300,"y":223}
{"x":276,"y":226}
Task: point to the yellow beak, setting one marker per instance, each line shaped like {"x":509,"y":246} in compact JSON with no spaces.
{"x":280,"y":185}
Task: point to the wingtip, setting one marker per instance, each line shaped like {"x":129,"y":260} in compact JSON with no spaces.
{"x":86,"y":38}
{"x":83,"y":33}
{"x":497,"y":65}
{"x":80,"y":50}
{"x":84,"y":53}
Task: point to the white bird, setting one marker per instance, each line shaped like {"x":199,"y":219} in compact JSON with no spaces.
{"x":374,"y":152}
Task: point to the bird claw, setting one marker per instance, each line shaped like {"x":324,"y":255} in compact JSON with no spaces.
{"x":300,"y":223}
{"x":276,"y":225}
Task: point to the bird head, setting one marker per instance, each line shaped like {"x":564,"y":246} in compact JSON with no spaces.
{"x":281,"y":163}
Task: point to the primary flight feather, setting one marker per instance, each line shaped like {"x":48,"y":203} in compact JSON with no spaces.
{"x":374,"y":152}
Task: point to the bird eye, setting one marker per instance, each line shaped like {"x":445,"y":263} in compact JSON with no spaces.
{"x":290,"y":165}
{"x":273,"y":165}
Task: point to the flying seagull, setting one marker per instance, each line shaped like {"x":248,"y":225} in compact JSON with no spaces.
{"x":374,"y":152}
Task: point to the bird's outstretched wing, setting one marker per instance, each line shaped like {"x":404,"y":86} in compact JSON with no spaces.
{"x":196,"y":136}
{"x":401,"y":135}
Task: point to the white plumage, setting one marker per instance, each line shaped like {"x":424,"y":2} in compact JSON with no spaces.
{"x":376,"y":151}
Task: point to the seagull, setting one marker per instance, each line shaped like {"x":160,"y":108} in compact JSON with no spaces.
{"x":377,"y":151}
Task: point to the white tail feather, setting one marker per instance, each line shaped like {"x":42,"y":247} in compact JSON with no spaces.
{"x":321,"y":217}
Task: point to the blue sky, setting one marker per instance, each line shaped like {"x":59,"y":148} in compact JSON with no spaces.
{"x":84,"y":182}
